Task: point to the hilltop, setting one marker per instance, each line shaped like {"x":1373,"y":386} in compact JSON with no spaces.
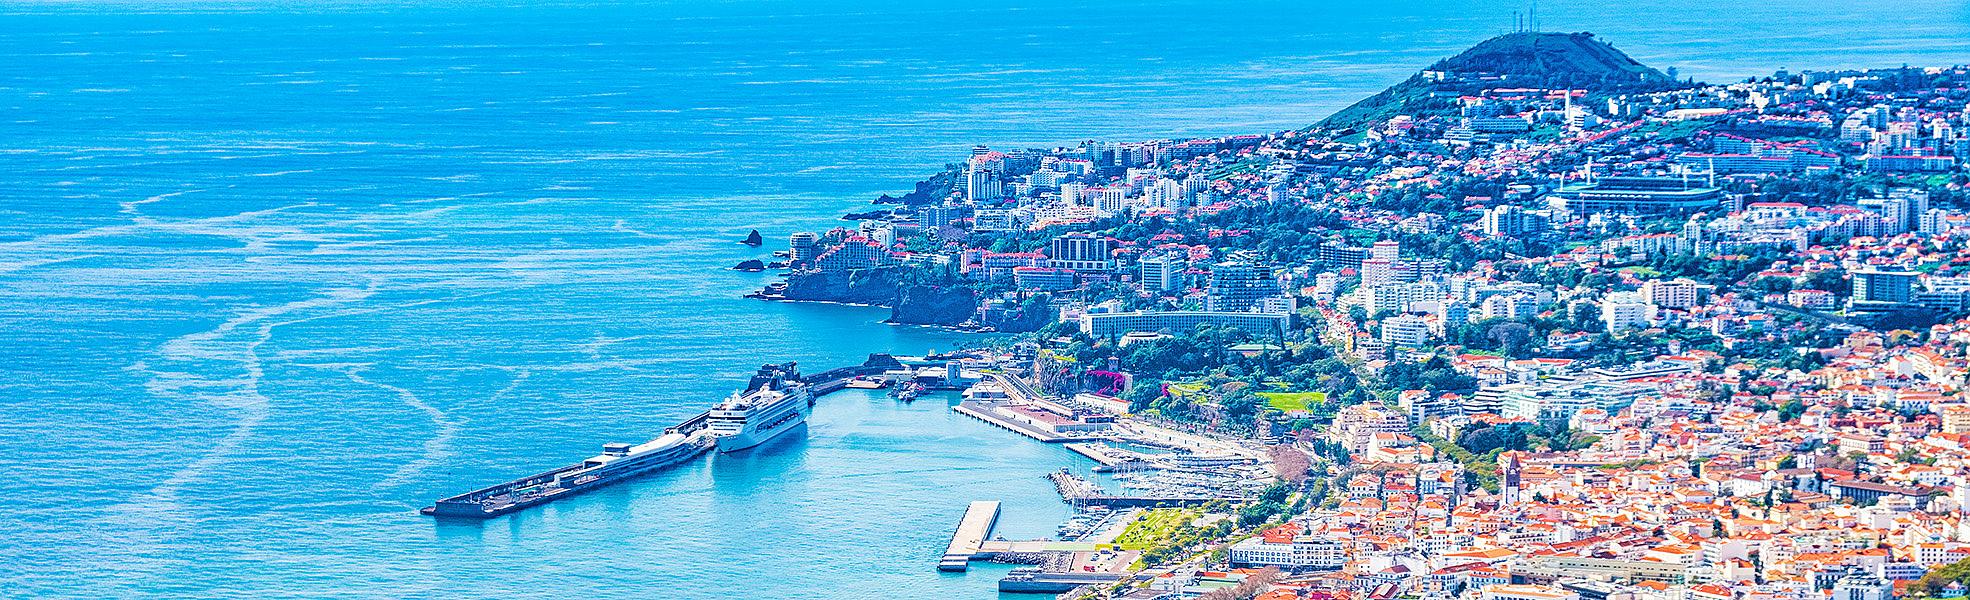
{"x":1513,"y":60}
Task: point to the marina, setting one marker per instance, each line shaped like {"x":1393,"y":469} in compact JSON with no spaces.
{"x":1057,"y":565}
{"x":1098,"y":453}
{"x":1154,"y":466}
{"x":1098,"y":525}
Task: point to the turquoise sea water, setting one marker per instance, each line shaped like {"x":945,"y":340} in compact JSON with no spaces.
{"x":274,"y":275}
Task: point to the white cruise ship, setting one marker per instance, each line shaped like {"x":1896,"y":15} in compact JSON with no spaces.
{"x":745,"y":420}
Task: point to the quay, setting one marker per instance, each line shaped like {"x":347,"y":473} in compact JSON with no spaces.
{"x":1078,"y":491}
{"x":983,"y":412}
{"x":1153,"y":501}
{"x":1110,"y":459}
{"x":993,"y":548}
{"x":1035,"y":581}
{"x":571,"y":480}
{"x":493,"y":501}
{"x":1012,"y":404}
{"x":969,"y":540}
{"x":1096,"y":452}
{"x":1072,"y":488}
{"x":564,"y":482}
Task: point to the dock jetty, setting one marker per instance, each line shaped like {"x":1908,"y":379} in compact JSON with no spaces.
{"x":1097,"y":452}
{"x":571,"y":480}
{"x":983,"y":412}
{"x":1012,"y":404}
{"x":1032,"y":580}
{"x":1074,"y":489}
{"x":979,"y":519}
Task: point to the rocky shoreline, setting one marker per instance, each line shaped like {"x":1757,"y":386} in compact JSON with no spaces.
{"x":946,"y":306}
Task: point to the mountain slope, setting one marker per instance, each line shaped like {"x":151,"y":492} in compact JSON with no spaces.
{"x":1513,"y":60}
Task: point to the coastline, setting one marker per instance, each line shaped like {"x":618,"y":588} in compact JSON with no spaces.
{"x":765,"y":298}
{"x":534,"y":238}
{"x":951,"y":328}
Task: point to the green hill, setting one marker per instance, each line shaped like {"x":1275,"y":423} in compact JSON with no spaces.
{"x":1513,"y":60}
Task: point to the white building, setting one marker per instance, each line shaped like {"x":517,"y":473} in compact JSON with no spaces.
{"x":1411,"y":331}
{"x":1303,"y":551}
{"x":1673,"y":293}
{"x":1509,"y":220}
{"x":1073,"y":194}
{"x":997,"y":219}
{"x":1325,"y":285}
{"x":1165,"y":193}
{"x":1259,"y":551}
{"x":1398,"y":296}
{"x":1355,"y":426}
{"x":981,"y":176}
{"x":1385,"y":250}
{"x":1625,"y":311}
{"x":1112,"y":324}
{"x":1860,"y":585}
{"x":1377,"y":271}
{"x":1162,"y":273}
{"x":1508,"y":591}
{"x":1509,"y":306}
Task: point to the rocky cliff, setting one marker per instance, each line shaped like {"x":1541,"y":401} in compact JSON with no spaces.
{"x":911,"y":304}
{"x":928,"y":191}
{"x":861,"y":286}
{"x":933,"y":305}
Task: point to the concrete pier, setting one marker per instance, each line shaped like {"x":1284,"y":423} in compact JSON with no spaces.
{"x":983,"y":412}
{"x":1034,"y":581}
{"x":973,"y":530}
{"x":1098,"y":452}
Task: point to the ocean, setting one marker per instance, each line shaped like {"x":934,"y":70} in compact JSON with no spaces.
{"x":273,"y":275}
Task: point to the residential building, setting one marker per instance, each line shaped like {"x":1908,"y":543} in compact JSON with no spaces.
{"x":1162,"y":273}
{"x":1406,"y":331}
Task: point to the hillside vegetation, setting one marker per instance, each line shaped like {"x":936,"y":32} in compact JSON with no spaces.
{"x":1513,"y":60}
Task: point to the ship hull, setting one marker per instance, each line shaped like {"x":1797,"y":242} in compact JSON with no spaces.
{"x":752,"y":437}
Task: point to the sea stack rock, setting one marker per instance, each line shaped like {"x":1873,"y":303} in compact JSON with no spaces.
{"x":753,"y":239}
{"x":750,"y":265}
